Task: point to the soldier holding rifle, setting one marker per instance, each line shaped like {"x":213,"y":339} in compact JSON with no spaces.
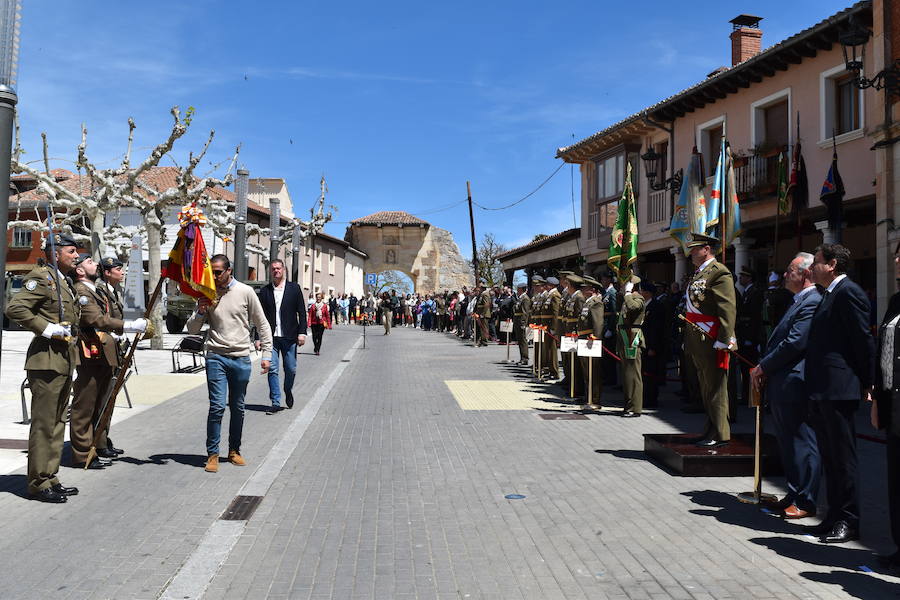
{"x":99,"y":357}
{"x":712,"y":307}
{"x":111,"y":277}
{"x":46,"y":305}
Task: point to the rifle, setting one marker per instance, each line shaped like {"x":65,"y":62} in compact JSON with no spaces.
{"x":121,"y":376}
{"x":55,"y":264}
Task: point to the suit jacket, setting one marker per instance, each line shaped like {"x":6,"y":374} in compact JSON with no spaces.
{"x":889,"y":400}
{"x":840,"y":355}
{"x":784,"y":361}
{"x":293,"y":309}
{"x":749,"y":327}
{"x":655,"y":327}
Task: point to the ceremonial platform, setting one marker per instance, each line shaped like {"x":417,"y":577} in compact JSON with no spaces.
{"x":678,"y":452}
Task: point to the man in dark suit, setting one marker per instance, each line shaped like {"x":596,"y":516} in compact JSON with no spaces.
{"x":748,"y":329}
{"x":781,"y":371}
{"x":655,"y":339}
{"x":840,"y":367}
{"x":282,"y":303}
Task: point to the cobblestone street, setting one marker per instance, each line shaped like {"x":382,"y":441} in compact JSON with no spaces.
{"x":385,"y":488}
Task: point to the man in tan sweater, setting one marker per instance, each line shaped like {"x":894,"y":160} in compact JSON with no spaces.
{"x":228,"y":356}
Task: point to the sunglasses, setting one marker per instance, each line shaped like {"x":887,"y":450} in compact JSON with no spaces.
{"x":217,"y":273}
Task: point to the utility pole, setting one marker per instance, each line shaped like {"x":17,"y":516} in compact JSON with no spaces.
{"x":472,"y":227}
{"x":274,"y":227}
{"x":295,"y":252}
{"x":241,"y":185}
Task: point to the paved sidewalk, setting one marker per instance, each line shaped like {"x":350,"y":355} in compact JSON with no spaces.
{"x":395,"y":492}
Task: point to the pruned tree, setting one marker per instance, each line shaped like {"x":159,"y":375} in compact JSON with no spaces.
{"x":392,"y":280}
{"x":489,"y":267}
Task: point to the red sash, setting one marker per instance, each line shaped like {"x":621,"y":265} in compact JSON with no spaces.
{"x":722,"y":356}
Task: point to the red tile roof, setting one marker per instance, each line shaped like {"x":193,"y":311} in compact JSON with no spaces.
{"x":389,"y":217}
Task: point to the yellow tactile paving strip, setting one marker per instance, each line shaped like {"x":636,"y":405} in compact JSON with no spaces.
{"x":155,"y":389}
{"x":474,"y":394}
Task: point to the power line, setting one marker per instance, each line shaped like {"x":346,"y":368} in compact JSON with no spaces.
{"x":526,"y":196}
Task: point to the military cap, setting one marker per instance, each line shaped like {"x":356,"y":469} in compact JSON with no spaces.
{"x":699,"y":240}
{"x":746,"y":271}
{"x":62,"y":239}
{"x":574,"y":278}
{"x":538,"y":279}
{"x":81,"y":258}
{"x":553,"y":281}
{"x":590,"y":282}
{"x":566,"y":273}
{"x":521,"y":284}
{"x":111,"y":262}
{"x":647,"y":286}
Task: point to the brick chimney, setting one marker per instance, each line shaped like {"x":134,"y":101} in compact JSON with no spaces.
{"x":746,"y":39}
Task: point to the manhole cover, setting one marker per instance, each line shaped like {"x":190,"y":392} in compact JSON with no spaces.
{"x":514,"y":497}
{"x":563,"y":417}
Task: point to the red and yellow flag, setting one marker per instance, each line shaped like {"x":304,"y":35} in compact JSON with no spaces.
{"x":188,"y":261}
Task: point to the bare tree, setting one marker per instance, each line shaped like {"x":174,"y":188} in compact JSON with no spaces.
{"x":392,"y":280}
{"x":489,"y":267}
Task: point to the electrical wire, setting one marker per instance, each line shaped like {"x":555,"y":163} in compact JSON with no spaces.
{"x":526,"y":196}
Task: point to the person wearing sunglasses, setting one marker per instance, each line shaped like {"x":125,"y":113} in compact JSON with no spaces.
{"x":228,"y":356}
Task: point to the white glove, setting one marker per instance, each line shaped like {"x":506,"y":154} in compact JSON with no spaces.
{"x":115,"y":336}
{"x":55,"y":330}
{"x":720,"y":345}
{"x":628,"y":287}
{"x":135,"y":326}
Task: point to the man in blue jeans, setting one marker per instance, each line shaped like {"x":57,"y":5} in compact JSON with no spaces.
{"x":228,"y":356}
{"x":282,"y":303}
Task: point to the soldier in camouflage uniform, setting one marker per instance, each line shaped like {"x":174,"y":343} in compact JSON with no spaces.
{"x":46,"y":305}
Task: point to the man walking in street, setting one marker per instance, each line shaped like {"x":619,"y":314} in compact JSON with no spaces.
{"x":228,"y":356}
{"x":282,"y":303}
{"x":46,"y":305}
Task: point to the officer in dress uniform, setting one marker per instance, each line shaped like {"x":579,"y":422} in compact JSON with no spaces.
{"x":521,"y":319}
{"x":482,"y":314}
{"x":552,"y":308}
{"x":710,"y":306}
{"x":99,"y":357}
{"x":590,"y":327}
{"x":574,"y":300}
{"x":46,"y":305}
{"x":537,"y":316}
{"x":111,"y":277}
{"x":629,"y":345}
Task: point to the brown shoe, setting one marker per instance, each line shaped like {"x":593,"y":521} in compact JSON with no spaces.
{"x":792,"y":512}
{"x":234,"y":457}
{"x":212,"y":464}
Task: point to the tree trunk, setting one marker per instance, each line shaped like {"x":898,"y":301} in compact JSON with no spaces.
{"x":154,"y":267}
{"x":97,"y":226}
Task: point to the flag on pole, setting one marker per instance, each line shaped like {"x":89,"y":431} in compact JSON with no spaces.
{"x":690,"y":210}
{"x":188,"y":261}
{"x":798,"y":185}
{"x":723,"y":213}
{"x":784,"y":197}
{"x":832,"y":196}
{"x":624,"y":242}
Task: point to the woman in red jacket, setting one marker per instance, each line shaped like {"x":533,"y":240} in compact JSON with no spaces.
{"x":318,"y":319}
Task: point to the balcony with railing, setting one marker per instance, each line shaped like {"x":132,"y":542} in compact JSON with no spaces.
{"x":658,"y":206}
{"x":756,"y":175}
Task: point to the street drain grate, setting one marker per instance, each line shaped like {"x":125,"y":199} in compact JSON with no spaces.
{"x":13,"y":444}
{"x":241,"y":508}
{"x":563,"y":417}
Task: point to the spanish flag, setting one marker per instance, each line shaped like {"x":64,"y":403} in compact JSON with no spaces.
{"x":188,"y":261}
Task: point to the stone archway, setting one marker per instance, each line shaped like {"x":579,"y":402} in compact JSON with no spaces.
{"x":398,"y":241}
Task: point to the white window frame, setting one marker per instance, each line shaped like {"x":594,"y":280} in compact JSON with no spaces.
{"x":826,"y":109}
{"x":702,"y":128}
{"x":26,"y":236}
{"x":331,"y":261}
{"x":757,"y":116}
{"x":318,"y":253}
{"x":306,"y":274}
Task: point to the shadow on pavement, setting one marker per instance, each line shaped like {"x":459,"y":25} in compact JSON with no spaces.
{"x":858,"y":585}
{"x":824,"y":555}
{"x":257,"y":407}
{"x":17,"y":485}
{"x":629,"y":454}
{"x":191,"y":460}
{"x":734,"y":512}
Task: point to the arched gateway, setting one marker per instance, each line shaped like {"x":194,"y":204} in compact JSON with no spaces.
{"x":398,"y":241}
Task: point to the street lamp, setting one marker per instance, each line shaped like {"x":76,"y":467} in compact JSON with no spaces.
{"x":651,"y":160}
{"x":10,"y":16}
{"x":854,"y":38}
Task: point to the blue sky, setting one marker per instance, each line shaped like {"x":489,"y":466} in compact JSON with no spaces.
{"x":397,"y":103}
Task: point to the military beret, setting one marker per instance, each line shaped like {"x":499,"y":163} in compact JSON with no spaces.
{"x":699,"y":240}
{"x":111,"y":262}
{"x":62,"y":239}
{"x":553,"y":281}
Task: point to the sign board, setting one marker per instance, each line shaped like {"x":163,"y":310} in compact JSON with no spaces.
{"x":568,"y":344}
{"x":506,"y":326}
{"x":133,"y":300}
{"x":590,"y":348}
{"x":537,"y":335}
{"x":371,"y":279}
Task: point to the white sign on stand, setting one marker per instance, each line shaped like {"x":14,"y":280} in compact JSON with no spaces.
{"x":568,"y":344}
{"x":538,"y":335}
{"x":590,"y":348}
{"x":506,"y":326}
